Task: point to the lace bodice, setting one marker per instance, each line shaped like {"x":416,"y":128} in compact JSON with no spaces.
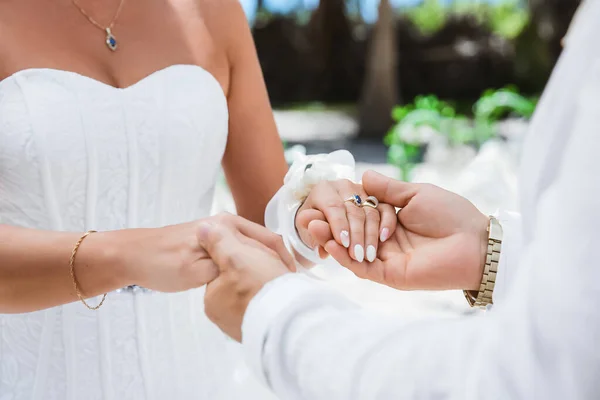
{"x":77,"y":154}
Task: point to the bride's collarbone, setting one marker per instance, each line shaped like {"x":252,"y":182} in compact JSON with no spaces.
{"x":76,"y":46}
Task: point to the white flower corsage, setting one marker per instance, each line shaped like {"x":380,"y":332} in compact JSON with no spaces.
{"x":307,"y":171}
{"x":304,"y":174}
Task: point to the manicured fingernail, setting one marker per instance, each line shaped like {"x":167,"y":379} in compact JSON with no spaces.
{"x":345,"y":239}
{"x":359,"y":253}
{"x":371,"y":253}
{"x":385,"y":234}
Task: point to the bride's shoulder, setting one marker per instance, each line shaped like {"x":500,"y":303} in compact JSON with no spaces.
{"x":222,"y":13}
{"x":226,"y":21}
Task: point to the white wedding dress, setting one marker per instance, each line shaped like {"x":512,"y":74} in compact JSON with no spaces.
{"x":77,"y":154}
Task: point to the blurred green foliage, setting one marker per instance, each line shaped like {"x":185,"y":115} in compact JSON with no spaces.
{"x":429,"y":16}
{"x":429,"y":119}
{"x":507,"y":18}
{"x":495,"y":104}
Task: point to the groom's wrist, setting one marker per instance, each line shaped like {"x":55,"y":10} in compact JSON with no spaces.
{"x":475,"y":271}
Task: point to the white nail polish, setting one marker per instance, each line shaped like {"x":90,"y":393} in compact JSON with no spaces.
{"x":385,"y":234}
{"x":359,"y":253}
{"x":371,"y":253}
{"x":345,"y":239}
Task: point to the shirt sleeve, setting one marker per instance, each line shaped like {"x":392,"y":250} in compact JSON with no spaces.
{"x":511,"y":251}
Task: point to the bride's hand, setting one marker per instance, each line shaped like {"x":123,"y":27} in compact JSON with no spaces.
{"x":356,"y":228}
{"x":439,"y":243}
{"x":171,"y":259}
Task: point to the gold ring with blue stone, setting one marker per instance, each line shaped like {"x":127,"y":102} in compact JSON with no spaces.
{"x":355,"y":199}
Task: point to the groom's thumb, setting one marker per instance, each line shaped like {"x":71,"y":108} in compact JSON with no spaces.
{"x":387,"y":190}
{"x":218,"y":241}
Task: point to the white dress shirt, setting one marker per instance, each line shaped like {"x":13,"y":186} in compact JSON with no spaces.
{"x":540,"y":340}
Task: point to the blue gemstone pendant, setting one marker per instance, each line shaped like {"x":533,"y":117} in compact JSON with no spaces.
{"x":111,"y":42}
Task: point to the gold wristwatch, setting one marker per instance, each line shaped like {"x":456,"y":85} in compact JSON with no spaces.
{"x":483,"y":297}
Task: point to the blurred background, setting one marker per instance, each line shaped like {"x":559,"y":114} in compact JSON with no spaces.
{"x":437,"y":91}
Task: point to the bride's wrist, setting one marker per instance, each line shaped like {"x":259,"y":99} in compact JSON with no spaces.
{"x":304,"y":174}
{"x":101,"y":262}
{"x":133,"y":252}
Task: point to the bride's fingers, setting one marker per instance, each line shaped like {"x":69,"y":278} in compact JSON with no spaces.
{"x":375,"y":271}
{"x":372,"y":222}
{"x":325,"y":198}
{"x":356,"y":218}
{"x":321,"y":233}
{"x":389,"y":221}
{"x":258,"y":233}
{"x":291,"y":266}
{"x":303,"y":220}
{"x":361,"y":269}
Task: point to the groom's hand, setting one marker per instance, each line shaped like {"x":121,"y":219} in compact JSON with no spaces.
{"x":439,"y":243}
{"x":245,"y":266}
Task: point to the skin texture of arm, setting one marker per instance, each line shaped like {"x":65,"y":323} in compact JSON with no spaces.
{"x":34,"y":273}
{"x":254,"y":163}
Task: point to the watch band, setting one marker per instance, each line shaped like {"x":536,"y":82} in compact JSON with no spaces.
{"x":483,"y":297}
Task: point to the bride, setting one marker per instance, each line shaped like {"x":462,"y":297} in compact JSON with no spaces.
{"x":116,"y":116}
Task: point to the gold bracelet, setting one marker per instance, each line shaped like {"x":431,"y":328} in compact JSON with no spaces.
{"x":483,"y":297}
{"x":72,"y":269}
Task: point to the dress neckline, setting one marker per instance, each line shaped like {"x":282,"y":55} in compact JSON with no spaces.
{"x":109,"y":86}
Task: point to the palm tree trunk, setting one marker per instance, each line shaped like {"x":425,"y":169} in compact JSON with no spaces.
{"x":332,"y":43}
{"x":380,"y":88}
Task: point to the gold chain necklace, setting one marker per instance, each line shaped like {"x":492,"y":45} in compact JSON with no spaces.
{"x":111,"y":41}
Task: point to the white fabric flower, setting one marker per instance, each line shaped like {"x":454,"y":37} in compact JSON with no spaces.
{"x":302,"y":176}
{"x":307,"y":171}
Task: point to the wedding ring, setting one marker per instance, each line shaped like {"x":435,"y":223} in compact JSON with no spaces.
{"x":355,"y":199}
{"x":371,"y":201}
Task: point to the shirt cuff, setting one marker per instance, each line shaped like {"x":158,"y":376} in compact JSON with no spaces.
{"x":275,"y":297}
{"x":511,"y":246}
